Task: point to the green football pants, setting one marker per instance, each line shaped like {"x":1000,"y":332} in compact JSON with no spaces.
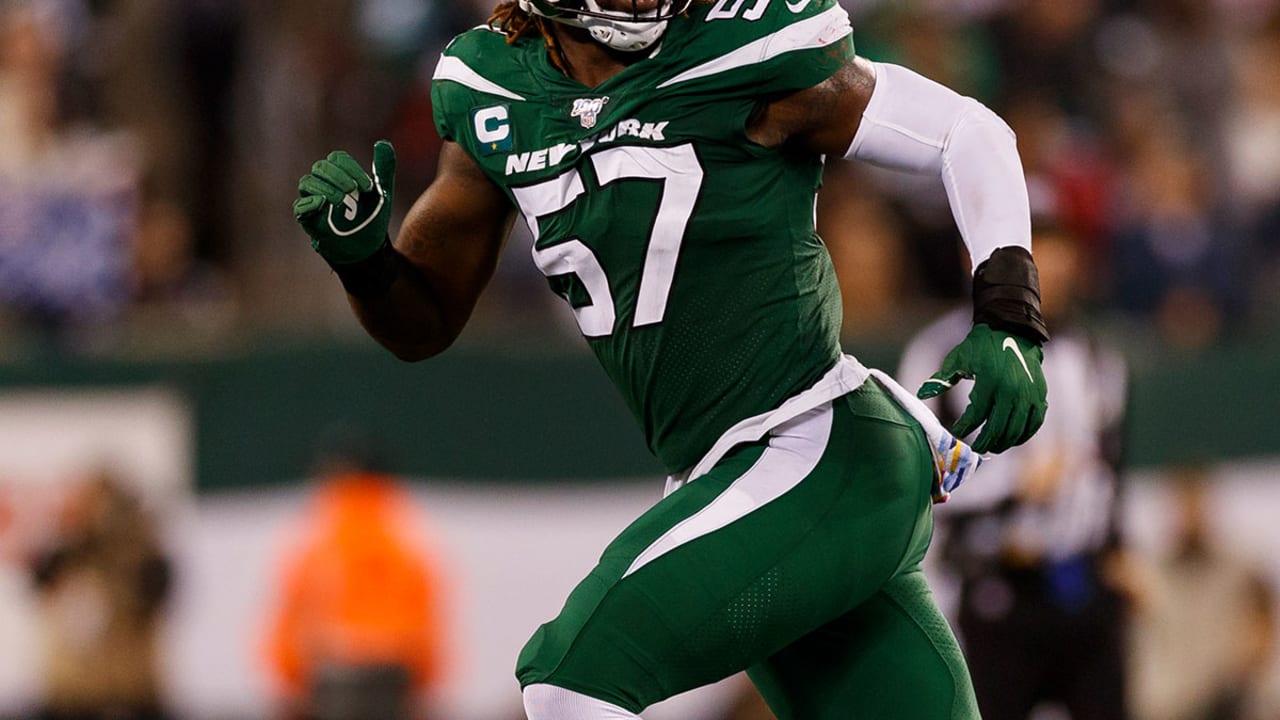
{"x":796,"y":558}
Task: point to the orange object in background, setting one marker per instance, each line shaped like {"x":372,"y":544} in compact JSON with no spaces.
{"x":360,"y":591}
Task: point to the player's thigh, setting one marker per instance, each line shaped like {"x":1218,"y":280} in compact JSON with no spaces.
{"x":892,"y":658}
{"x":609,"y":637}
{"x":775,"y":541}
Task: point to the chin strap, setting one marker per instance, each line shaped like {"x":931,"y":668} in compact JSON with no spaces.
{"x":625,"y":36}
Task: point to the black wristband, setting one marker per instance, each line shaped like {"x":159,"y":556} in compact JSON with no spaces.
{"x":1006,"y":294}
{"x":372,"y":276}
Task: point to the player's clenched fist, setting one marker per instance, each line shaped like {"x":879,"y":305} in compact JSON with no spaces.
{"x":344,"y":210}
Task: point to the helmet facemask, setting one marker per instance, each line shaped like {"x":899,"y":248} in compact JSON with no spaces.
{"x":627,"y":31}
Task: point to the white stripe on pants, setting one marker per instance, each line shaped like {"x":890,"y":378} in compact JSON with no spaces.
{"x":548,"y":702}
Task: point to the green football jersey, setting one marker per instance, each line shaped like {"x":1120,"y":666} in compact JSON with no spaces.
{"x":687,"y":252}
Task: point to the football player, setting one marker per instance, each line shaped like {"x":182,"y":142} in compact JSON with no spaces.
{"x":666,"y":155}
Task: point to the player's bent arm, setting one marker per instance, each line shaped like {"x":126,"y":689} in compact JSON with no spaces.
{"x":892,"y":117}
{"x":449,"y":242}
{"x":914,"y":124}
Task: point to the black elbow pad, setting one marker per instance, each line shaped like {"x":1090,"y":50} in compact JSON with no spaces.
{"x":1006,"y":294}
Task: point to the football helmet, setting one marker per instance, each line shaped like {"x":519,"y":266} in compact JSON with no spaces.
{"x":620,"y":30}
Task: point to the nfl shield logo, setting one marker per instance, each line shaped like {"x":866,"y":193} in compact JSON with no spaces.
{"x":588,"y":110}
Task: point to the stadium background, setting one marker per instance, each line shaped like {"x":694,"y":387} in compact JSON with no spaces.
{"x":161,"y":314}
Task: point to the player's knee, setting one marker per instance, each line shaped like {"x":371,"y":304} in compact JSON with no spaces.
{"x":548,"y":702}
{"x":553,"y":658}
{"x":583,"y":648}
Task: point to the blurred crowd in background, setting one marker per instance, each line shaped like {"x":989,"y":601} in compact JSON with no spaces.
{"x":149,"y":152}
{"x":356,"y":613}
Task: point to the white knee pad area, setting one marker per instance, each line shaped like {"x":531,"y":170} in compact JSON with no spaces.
{"x":548,"y":702}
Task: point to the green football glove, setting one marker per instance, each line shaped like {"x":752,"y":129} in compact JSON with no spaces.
{"x":345,"y":211}
{"x":1009,"y":392}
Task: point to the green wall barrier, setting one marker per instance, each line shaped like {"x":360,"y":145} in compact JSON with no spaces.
{"x":475,"y":413}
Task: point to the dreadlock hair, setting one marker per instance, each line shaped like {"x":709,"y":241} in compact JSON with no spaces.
{"x":516,"y":24}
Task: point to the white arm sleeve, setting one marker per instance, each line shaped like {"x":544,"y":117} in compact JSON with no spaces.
{"x":916,"y":125}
